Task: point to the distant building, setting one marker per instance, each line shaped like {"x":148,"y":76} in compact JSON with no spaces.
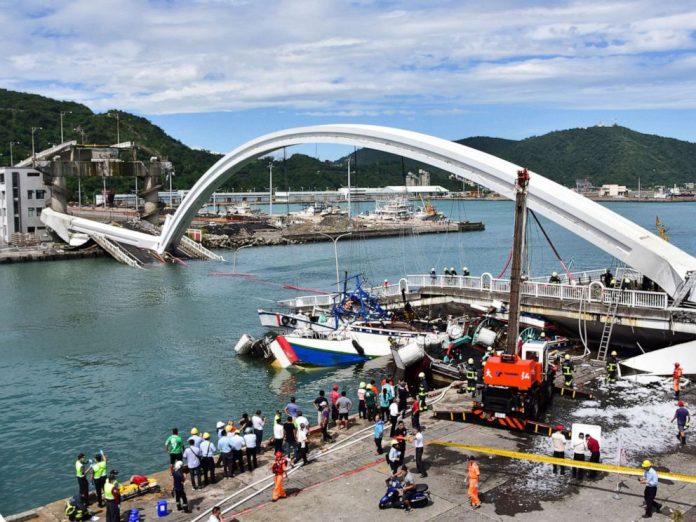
{"x":422,"y":179}
{"x":23,"y":196}
{"x":583,"y":186}
{"x":613,"y":191}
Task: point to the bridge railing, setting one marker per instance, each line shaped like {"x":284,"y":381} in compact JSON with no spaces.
{"x":564,"y":292}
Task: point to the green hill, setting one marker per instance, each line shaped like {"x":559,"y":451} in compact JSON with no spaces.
{"x":603,"y":154}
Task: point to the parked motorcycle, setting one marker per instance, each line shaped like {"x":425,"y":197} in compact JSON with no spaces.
{"x":420,"y":497}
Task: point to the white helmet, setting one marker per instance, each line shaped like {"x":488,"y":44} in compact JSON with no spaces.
{"x":555,"y":274}
{"x":567,"y":357}
{"x":432,"y":269}
{"x":470,"y":361}
{"x":614,"y":353}
{"x":465,"y":269}
{"x":489,"y":349}
{"x":452,"y":269}
{"x":421,"y":375}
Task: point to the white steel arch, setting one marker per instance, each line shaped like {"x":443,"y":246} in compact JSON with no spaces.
{"x":664,"y":263}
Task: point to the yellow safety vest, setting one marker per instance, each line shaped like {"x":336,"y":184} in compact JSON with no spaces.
{"x":79,"y":469}
{"x":109,"y":489}
{"x":99,"y":469}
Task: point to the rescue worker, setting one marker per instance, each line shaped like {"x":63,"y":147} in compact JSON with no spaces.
{"x":465,"y":272}
{"x":179,"y":478}
{"x":113,"y":497}
{"x":650,"y":481}
{"x":473,"y":478}
{"x":453,"y":272}
{"x":607,"y":278}
{"x":567,"y":369}
{"x":683,"y":418}
{"x":386,"y":283}
{"x":554,"y":279}
{"x":422,"y":392}
{"x":676,"y":379}
{"x":489,"y":352}
{"x":279,"y":469}
{"x":612,"y":367}
{"x":626,"y":283}
{"x":81,"y":472}
{"x":470,"y":377}
{"x":433,"y":274}
{"x":208,"y":459}
{"x":99,"y":476}
{"x":446,"y":271}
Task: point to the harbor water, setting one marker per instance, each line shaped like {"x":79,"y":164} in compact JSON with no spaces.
{"x":98,"y":356}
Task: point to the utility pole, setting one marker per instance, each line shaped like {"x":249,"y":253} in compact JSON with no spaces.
{"x":270,"y":190}
{"x":521,"y":187}
{"x":349,"y":214}
{"x":33,"y":150}
{"x":62,"y":113}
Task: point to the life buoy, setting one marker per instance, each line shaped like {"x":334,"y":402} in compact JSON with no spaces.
{"x":293,"y":321}
{"x":285,"y":320}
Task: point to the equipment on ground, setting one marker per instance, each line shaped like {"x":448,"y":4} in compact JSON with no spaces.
{"x":419,"y":497}
{"x":75,"y":509}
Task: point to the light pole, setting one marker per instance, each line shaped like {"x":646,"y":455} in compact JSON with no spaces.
{"x":33,"y":151}
{"x":270,"y":190}
{"x":335,"y":240}
{"x":82,"y":133}
{"x":234,"y":257}
{"x":62,"y":113}
{"x":349,"y":191}
{"x":171,"y":175}
{"x":12,"y":143}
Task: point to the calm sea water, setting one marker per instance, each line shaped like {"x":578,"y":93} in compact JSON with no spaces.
{"x":95,"y":355}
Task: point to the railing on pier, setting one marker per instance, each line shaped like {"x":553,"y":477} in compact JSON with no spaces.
{"x":595,"y":292}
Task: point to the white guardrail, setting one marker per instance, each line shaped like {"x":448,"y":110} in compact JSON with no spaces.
{"x":593,"y":292}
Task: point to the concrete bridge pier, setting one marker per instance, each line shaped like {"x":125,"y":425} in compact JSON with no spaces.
{"x":149,"y":194}
{"x":59,"y":190}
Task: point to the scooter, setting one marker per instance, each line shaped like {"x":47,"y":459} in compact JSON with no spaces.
{"x":420,"y":497}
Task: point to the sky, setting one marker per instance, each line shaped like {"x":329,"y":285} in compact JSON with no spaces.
{"x":217,"y":73}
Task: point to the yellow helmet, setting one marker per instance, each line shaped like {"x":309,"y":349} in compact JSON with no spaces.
{"x":206,"y":435}
{"x":228,"y":428}
{"x":362,"y":385}
{"x":614,"y":353}
{"x":646,"y":464}
{"x":194,"y":431}
{"x":394,"y":442}
{"x":567,"y":357}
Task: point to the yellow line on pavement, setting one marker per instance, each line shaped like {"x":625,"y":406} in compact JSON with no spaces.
{"x":533,"y":457}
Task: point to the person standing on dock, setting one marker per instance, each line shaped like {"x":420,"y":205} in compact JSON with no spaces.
{"x":370,"y":401}
{"x":612,"y":367}
{"x":113,"y":497}
{"x":334,"y":397}
{"x":258,"y":421}
{"x":237,"y":444}
{"x":291,"y":408}
{"x":683,"y":418}
{"x":379,"y":433}
{"x":208,"y":459}
{"x":393,"y":416}
{"x":650,"y":480}
{"x":676,"y":379}
{"x":179,"y":478}
{"x":81,"y":474}
{"x":324,"y":423}
{"x":415,"y":415}
{"x":593,"y":447}
{"x":344,"y":405}
{"x":174,"y":445}
{"x":471,"y":376}
{"x":192,"y":454}
{"x":558,"y":442}
{"x":250,"y":443}
{"x":402,"y":394}
{"x":279,"y":469}
{"x":393,"y":456}
{"x":362,"y":410}
{"x":418,"y":446}
{"x":579,"y":452}
{"x":278,"y":435}
{"x":319,"y":403}
{"x":226,"y":455}
{"x":302,"y":443}
{"x":290,"y":440}
{"x":99,"y":476}
{"x":401,"y":435}
{"x":473,"y":478}
{"x":567,"y":368}
{"x":422,"y":391}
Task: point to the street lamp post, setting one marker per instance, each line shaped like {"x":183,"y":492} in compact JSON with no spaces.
{"x":349,"y":191}
{"x":335,"y":241}
{"x":12,"y":144}
{"x":33,"y":151}
{"x":270,"y":190}
{"x":234,"y":257}
{"x":62,"y":113}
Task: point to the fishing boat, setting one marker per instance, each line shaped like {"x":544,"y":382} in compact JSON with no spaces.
{"x":259,"y":348}
{"x":316,"y":350}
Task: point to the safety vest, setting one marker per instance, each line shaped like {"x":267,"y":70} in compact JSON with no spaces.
{"x":79,"y":469}
{"x":421,"y":391}
{"x":470,"y":373}
{"x":109,"y":489}
{"x":611,"y":366}
{"x":567,"y":370}
{"x":99,"y":469}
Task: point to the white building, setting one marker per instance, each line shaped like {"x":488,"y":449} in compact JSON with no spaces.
{"x":23,"y":196}
{"x":613,"y":191}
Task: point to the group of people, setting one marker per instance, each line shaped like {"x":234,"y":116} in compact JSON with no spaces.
{"x":105,"y":484}
{"x":449,"y":272}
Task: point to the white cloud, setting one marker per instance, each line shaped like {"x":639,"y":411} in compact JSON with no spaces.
{"x":351,"y":58}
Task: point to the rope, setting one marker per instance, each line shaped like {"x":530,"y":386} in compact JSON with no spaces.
{"x":553,"y":247}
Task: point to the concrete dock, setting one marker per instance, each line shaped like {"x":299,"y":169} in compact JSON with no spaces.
{"x":346,"y":481}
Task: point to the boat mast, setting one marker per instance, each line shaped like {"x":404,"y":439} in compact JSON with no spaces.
{"x":521,"y":186}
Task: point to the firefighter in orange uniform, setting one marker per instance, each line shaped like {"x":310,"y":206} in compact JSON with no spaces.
{"x":473,"y":482}
{"x":676,"y":377}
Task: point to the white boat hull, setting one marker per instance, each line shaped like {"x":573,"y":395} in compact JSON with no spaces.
{"x":243,"y":346}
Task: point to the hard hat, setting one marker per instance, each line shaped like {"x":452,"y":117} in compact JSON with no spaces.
{"x":228,"y":428}
{"x":452,"y":269}
{"x":386,"y":280}
{"x":559,"y":427}
{"x":194,"y":431}
{"x":470,"y":361}
{"x":567,"y":357}
{"x":554,"y":274}
{"x":680,"y":403}
{"x":219,"y":424}
{"x":432,"y":269}
{"x":465,"y":269}
{"x":542,"y":334}
{"x":178,"y":465}
{"x":394,"y":442}
{"x":278,"y":454}
{"x":489,"y":349}
{"x":614,"y":353}
{"x":646,"y":464}
{"x":421,"y":375}
{"x":206,"y":435}
{"x":362,"y":384}
{"x":445,"y":268}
